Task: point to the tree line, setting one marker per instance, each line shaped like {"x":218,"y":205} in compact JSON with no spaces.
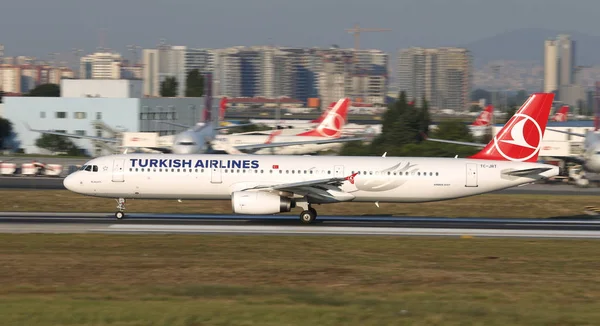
{"x":405,"y":127}
{"x":194,"y":85}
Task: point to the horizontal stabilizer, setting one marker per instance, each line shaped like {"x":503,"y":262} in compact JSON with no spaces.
{"x":527,"y":172}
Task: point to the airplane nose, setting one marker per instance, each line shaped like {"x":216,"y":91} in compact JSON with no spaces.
{"x":70,"y":182}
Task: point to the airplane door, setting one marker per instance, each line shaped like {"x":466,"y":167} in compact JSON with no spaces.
{"x":215,"y":175}
{"x":338,"y":171}
{"x":471,"y":175}
{"x":118,"y":170}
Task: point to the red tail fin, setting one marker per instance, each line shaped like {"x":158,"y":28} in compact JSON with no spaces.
{"x":320,"y":119}
{"x":331,"y":126}
{"x":273,"y":135}
{"x":222,"y":108}
{"x":520,"y":139}
{"x":561,"y":114}
{"x":485,"y":118}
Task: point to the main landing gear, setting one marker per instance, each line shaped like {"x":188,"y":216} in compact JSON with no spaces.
{"x":308,"y":214}
{"x":121,"y":207}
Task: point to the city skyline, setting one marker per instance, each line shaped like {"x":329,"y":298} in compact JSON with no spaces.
{"x":232,"y":23}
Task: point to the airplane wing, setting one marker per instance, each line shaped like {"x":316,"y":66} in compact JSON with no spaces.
{"x":292,"y":143}
{"x":50,"y":132}
{"x":456,"y":142}
{"x":217,"y":128}
{"x":233,"y":126}
{"x":322,"y":189}
{"x":567,"y":132}
{"x":176,"y":124}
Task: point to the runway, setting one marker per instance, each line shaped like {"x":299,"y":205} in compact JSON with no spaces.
{"x":41,"y":183}
{"x":13,"y":222}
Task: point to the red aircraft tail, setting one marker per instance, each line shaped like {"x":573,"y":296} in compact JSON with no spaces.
{"x":485,"y":118}
{"x":561,"y":114}
{"x":520,"y":139}
{"x":334,"y":121}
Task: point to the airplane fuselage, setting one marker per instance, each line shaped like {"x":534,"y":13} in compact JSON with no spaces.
{"x":241,"y":140}
{"x":383,"y":179}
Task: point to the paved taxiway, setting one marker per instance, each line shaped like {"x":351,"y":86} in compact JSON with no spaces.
{"x":16,"y":222}
{"x":37,"y":183}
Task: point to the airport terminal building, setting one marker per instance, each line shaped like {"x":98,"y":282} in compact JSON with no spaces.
{"x":104,"y":115}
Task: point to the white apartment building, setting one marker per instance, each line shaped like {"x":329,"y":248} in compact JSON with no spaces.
{"x":23,"y":78}
{"x":101,"y":65}
{"x":550,"y":66}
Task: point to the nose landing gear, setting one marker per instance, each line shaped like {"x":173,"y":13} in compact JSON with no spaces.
{"x":121,"y":207}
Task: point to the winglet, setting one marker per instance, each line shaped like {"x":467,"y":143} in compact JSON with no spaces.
{"x":351,"y":177}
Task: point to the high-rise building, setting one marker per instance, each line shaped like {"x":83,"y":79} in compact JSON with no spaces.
{"x":550,"y":66}
{"x":559,"y":65}
{"x":442,"y":76}
{"x":301,"y":73}
{"x":173,"y":61}
{"x":101,"y":65}
{"x":566,"y":60}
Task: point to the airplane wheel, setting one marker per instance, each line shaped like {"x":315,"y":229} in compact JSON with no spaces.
{"x":307,"y":217}
{"x":119,"y":215}
{"x":314,"y":211}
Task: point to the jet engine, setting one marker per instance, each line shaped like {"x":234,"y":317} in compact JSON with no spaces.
{"x":259,"y":202}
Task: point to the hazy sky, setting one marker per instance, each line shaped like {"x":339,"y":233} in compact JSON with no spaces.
{"x":41,"y":27}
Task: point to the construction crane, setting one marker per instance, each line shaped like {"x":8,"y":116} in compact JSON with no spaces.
{"x":357,"y":30}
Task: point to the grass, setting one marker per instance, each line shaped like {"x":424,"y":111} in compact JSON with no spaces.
{"x":492,"y":205}
{"x":277,"y":280}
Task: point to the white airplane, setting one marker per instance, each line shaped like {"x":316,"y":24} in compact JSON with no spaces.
{"x":326,"y":136}
{"x":590,"y":160}
{"x":295,"y":125}
{"x":272,"y":184}
{"x":483,"y":122}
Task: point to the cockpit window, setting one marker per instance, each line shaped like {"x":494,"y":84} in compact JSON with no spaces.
{"x":90,"y":168}
{"x":186,"y":143}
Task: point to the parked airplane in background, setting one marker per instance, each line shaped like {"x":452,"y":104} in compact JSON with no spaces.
{"x":483,"y":122}
{"x":561,"y":114}
{"x":273,"y":184}
{"x":326,"y":136}
{"x":207,"y":117}
{"x":295,"y":126}
{"x":590,"y":160}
